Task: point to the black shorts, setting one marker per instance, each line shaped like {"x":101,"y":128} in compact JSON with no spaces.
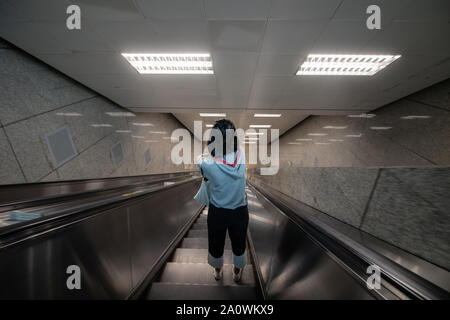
{"x":219,"y":221}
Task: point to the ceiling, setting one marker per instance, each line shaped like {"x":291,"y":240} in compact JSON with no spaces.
{"x":256,"y":46}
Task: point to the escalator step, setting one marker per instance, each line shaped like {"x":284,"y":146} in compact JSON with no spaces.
{"x":202,"y":219}
{"x":198,"y":233}
{"x":202,"y":273}
{"x":199,"y":226}
{"x":185,"y":255}
{"x":200,"y":243}
{"x":169,"y":291}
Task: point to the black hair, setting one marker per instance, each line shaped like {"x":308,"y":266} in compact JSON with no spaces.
{"x":223,"y":125}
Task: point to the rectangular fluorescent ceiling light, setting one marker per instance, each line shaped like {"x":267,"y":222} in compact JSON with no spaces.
{"x":101,"y":125}
{"x":142,"y":124}
{"x":209,"y":125}
{"x":120,"y":114}
{"x":254,"y":133}
{"x":414,"y":117}
{"x":170,"y":63}
{"x":267,"y":115}
{"x":335,"y":127}
{"x":362,"y":115}
{"x":123,"y":131}
{"x":260,"y":125}
{"x":345,"y":64}
{"x":212,"y":114}
{"x":380,"y":128}
{"x":318,"y":134}
{"x":250,"y":138}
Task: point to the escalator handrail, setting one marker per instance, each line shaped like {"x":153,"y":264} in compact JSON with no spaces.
{"x":16,"y":233}
{"x":407,"y":281}
{"x":45,"y":200}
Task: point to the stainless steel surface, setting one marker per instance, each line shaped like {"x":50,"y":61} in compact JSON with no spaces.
{"x":73,"y":204}
{"x":12,"y":193}
{"x":188,"y":275}
{"x":113,"y":248}
{"x":418,"y":277}
{"x":155,"y":222}
{"x":292,"y":265}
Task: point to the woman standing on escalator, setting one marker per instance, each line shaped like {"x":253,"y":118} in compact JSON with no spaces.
{"x":225,"y":172}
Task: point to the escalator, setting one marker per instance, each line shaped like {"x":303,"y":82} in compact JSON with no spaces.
{"x":148,"y":240}
{"x":187,"y":275}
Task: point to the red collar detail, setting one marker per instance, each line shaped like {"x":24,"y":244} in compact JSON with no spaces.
{"x":229,"y":164}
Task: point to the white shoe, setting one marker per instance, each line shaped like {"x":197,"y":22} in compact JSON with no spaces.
{"x":217,"y":274}
{"x":237,"y":276}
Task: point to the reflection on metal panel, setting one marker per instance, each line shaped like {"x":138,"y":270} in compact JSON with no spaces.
{"x":110,"y":247}
{"x":292,"y":265}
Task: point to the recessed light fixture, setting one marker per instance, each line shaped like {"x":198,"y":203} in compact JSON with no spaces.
{"x":120,"y":114}
{"x":123,"y":131}
{"x":336,"y":140}
{"x":354,"y":135}
{"x":69,"y":114}
{"x":209,"y":125}
{"x":267,"y":115}
{"x":142,"y":124}
{"x":138,"y":137}
{"x":254,"y":133}
{"x":302,"y":139}
{"x":295,"y":143}
{"x":380,"y":128}
{"x":362,"y":115}
{"x":250,"y":138}
{"x":170,"y":63}
{"x":415,"y":117}
{"x":212,"y":114}
{"x":150,"y":141}
{"x":249,"y":142}
{"x":321,"y":143}
{"x":345,"y":64}
{"x":318,"y":134}
{"x":260,"y":126}
{"x":158,"y":132}
{"x":101,"y":125}
{"x":335,"y":127}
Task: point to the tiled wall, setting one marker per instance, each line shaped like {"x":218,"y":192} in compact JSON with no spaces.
{"x":393,"y":183}
{"x":35,"y":100}
{"x":407,"y":140}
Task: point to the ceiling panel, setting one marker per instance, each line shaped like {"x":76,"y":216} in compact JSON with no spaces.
{"x":42,"y":10}
{"x":343,"y":37}
{"x":108,"y":10}
{"x":425,"y":11}
{"x":291,"y":37}
{"x":171,"y":9}
{"x":92,"y":64}
{"x":237,"y":9}
{"x":256,"y":47}
{"x":279,"y":64}
{"x":355,"y":10}
{"x":303,"y":9}
{"x":412,"y":38}
{"x":241,"y":36}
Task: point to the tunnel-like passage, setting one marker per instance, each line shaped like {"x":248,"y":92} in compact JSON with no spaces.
{"x":345,"y":131}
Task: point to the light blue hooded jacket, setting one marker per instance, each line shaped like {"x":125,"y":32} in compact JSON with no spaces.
{"x":226,"y":179}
